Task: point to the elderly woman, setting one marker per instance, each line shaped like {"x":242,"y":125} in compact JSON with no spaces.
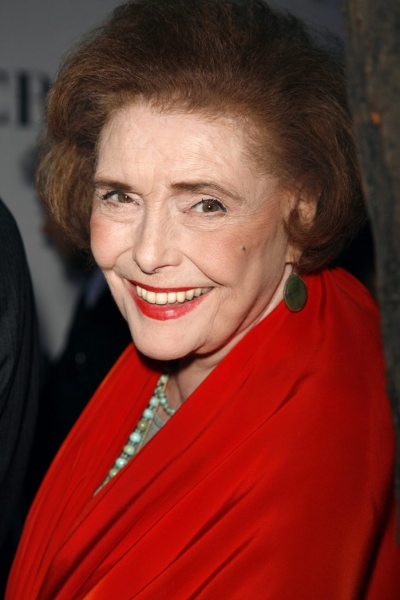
{"x":242,"y":446}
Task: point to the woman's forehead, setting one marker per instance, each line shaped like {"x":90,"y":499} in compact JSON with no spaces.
{"x":148,"y":132}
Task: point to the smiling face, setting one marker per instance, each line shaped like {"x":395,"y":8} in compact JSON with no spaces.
{"x":189,"y":236}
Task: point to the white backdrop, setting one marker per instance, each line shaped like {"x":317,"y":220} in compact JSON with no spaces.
{"x":34,"y":35}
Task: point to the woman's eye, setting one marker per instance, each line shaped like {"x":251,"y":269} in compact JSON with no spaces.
{"x":119,"y":197}
{"x":210,"y":205}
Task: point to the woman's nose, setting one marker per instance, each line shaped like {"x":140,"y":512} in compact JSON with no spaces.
{"x":156,"y":243}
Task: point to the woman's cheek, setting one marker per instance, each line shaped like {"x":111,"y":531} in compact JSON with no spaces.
{"x":104,"y":242}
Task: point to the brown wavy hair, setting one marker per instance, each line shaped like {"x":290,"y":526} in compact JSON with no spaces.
{"x":212,"y":57}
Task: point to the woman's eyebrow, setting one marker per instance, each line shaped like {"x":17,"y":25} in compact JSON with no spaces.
{"x":112,"y":184}
{"x":205,"y":187}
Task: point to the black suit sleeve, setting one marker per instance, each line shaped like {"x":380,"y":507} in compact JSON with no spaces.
{"x":19,"y":364}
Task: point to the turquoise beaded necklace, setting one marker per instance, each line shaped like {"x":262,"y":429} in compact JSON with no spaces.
{"x":138,"y":436}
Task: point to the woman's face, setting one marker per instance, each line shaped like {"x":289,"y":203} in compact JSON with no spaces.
{"x":188,"y":234}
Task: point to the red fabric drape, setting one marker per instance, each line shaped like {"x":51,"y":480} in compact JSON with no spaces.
{"x":272,"y":481}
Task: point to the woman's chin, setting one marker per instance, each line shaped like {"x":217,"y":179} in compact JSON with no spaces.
{"x":160,"y":352}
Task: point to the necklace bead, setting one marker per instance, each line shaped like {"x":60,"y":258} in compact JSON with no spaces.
{"x":137,"y":437}
{"x":142,"y":425}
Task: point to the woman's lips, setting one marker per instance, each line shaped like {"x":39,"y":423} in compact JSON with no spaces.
{"x":163,"y":304}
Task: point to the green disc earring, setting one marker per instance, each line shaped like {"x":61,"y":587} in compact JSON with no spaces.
{"x":295,"y":293}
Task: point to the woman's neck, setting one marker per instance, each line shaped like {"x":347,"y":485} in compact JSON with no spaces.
{"x":183,"y":380}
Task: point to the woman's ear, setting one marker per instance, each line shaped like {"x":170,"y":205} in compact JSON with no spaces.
{"x":303,"y":205}
{"x":304,"y":202}
{"x":307,"y":208}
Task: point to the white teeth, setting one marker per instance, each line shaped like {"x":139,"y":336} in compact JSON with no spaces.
{"x":169,"y":297}
{"x":151,"y":297}
{"x":161,"y":298}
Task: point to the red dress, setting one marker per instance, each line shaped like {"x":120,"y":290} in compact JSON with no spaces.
{"x":273,"y":481}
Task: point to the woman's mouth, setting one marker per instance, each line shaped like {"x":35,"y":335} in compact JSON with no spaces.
{"x":165,"y":304}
